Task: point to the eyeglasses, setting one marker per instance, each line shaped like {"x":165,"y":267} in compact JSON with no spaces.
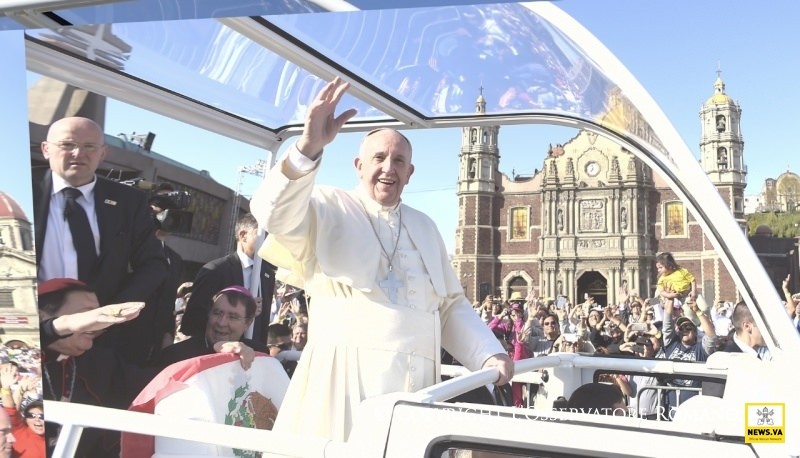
{"x":71,"y":147}
{"x":686,"y":328}
{"x":38,"y":416}
{"x":283,"y":347}
{"x":232,"y":317}
{"x":549,"y":323}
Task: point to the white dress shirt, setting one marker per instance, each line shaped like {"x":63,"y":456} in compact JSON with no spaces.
{"x":59,"y":258}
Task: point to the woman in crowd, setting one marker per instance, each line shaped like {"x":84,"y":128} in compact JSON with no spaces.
{"x":27,"y":423}
{"x":513,"y":328}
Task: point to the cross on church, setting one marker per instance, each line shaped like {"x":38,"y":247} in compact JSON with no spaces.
{"x":391,"y":285}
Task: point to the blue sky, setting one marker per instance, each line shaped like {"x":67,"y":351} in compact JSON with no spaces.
{"x":673,"y":48}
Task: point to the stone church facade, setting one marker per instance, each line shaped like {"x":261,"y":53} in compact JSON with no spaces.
{"x":593,"y":219}
{"x":19,"y":318}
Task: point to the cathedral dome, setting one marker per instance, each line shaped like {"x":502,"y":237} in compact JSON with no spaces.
{"x":9,"y":208}
{"x":719,"y":97}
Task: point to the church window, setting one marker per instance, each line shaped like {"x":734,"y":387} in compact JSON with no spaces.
{"x":472,"y":169}
{"x":519,"y":223}
{"x":27,"y":244}
{"x":473,"y":138}
{"x":6,"y":298}
{"x":674,"y":219}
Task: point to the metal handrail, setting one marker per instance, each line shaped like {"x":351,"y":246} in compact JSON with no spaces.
{"x":661,"y":410}
{"x":74,"y":417}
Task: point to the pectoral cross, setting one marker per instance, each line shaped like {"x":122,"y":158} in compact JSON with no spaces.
{"x":391,"y":285}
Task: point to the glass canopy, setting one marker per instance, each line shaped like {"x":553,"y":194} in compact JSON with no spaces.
{"x":421,"y":63}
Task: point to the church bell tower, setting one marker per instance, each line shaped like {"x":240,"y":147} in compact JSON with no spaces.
{"x":477,"y":193}
{"x":722,"y":147}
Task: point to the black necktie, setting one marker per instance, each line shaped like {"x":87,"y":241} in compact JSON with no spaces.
{"x":82,"y":237}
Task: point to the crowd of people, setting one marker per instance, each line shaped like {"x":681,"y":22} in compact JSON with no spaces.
{"x":113,"y":311}
{"x":676,"y":324}
{"x":22,"y":419}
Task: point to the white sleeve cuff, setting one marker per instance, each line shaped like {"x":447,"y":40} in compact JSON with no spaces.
{"x":300,"y":163}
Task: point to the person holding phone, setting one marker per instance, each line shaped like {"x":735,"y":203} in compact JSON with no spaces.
{"x":642,"y":399}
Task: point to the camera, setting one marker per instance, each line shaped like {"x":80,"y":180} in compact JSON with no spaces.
{"x":171,"y":200}
{"x":174,"y":216}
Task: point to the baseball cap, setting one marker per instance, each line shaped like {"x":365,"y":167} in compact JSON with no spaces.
{"x":682,"y":320}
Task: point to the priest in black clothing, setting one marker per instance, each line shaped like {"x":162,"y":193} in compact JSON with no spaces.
{"x":74,"y":369}
{"x":232,"y":311}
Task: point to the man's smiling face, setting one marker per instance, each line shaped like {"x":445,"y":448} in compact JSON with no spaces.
{"x":384,"y":166}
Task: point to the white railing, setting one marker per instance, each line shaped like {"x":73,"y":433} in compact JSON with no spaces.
{"x":524,"y":372}
{"x":75,"y":417}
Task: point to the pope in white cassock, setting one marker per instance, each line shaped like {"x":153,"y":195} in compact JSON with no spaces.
{"x":385,"y":298}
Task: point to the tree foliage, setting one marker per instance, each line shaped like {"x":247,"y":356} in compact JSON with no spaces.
{"x":782,"y":224}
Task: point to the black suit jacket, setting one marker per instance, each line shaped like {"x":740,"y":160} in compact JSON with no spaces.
{"x":127,"y":239}
{"x":131,"y":264}
{"x":101,"y":379}
{"x":732,"y":347}
{"x":158,"y":319}
{"x":213,"y":277}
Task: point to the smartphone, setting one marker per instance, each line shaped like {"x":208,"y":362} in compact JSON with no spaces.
{"x":638,"y":327}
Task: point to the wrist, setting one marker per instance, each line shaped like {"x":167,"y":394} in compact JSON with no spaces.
{"x":310,"y":152}
{"x":58,"y":327}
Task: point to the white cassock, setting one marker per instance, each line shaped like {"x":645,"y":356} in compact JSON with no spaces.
{"x":360,"y":344}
